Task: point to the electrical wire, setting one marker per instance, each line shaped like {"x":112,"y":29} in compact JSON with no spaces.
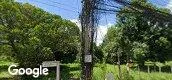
{"x":61,"y":4}
{"x":159,"y":3}
{"x":56,"y":6}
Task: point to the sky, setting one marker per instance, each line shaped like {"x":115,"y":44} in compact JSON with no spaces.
{"x":70,"y":9}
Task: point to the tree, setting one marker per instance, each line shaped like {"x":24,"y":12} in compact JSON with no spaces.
{"x":34,"y":35}
{"x":146,"y":30}
{"x":110,"y":44}
{"x":160,"y":65}
{"x":97,"y":54}
{"x":169,"y":63}
{"x":141,"y":37}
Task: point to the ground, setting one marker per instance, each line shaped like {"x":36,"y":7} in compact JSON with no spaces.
{"x":99,"y":72}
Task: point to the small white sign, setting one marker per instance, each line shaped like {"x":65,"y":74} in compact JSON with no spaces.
{"x":88,"y":58}
{"x":50,"y":63}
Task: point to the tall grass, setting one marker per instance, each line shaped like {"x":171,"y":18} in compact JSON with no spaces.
{"x":100,"y":71}
{"x":99,"y":74}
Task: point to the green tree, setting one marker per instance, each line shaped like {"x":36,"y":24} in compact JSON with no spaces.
{"x":148,"y":31}
{"x":34,"y":35}
{"x":97,"y":54}
{"x":141,"y":37}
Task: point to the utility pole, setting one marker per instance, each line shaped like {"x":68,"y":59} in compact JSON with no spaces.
{"x":87,"y":19}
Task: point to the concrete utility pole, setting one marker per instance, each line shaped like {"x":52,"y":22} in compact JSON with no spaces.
{"x":87,"y":18}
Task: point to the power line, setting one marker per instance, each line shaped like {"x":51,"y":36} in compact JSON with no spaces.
{"x":78,"y":5}
{"x":106,"y":18}
{"x":110,"y":5}
{"x":146,"y":10}
{"x":158,"y":3}
{"x":55,"y":6}
{"x":62,"y":4}
{"x":165,"y":1}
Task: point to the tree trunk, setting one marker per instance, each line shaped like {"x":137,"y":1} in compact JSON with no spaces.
{"x":171,"y":69}
{"x":154,"y":66}
{"x":138,"y":68}
{"x":139,"y":72}
{"x":159,"y":69}
{"x":148,"y":70}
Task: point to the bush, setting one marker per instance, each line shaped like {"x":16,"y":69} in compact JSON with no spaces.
{"x":126,"y":76}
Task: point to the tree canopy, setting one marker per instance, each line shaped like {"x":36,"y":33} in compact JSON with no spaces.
{"x":141,"y":37}
{"x":31,"y":34}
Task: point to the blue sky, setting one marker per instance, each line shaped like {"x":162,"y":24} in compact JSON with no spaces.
{"x":69,"y":9}
{"x":160,"y":2}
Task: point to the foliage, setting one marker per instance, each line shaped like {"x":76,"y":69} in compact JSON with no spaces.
{"x":126,"y":76}
{"x":31,"y":35}
{"x":159,"y":64}
{"x":141,"y":37}
{"x":111,"y":44}
{"x":169,"y":63}
{"x":139,"y":51}
{"x":97,"y":54}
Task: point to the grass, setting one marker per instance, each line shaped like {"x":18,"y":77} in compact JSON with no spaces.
{"x":5,"y":63}
{"x":134,"y":74}
{"x":4,"y":69}
{"x":99,"y":72}
{"x":151,"y":76}
{"x":5,"y":74}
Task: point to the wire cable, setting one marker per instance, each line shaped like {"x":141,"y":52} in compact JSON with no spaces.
{"x":61,"y":4}
{"x":55,"y":6}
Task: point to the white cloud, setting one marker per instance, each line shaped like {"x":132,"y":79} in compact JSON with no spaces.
{"x":101,"y":30}
{"x":76,"y":21}
{"x":169,"y":5}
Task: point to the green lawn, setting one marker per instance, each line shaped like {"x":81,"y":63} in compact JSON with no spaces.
{"x":4,"y":69}
{"x":99,"y":72}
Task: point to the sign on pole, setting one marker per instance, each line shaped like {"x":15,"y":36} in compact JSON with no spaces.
{"x":88,"y":58}
{"x":50,"y":63}
{"x":53,"y":64}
